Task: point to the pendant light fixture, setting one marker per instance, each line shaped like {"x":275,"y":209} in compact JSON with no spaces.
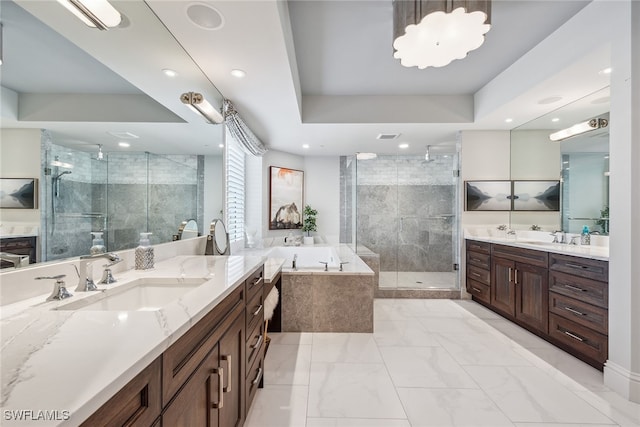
{"x":94,"y":13}
{"x":432,"y":33}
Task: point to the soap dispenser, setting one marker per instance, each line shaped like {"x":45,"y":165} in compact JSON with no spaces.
{"x":144,"y":253}
{"x":585,"y":237}
{"x":97,"y":244}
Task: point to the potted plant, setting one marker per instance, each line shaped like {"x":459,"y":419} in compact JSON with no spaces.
{"x":309,"y":223}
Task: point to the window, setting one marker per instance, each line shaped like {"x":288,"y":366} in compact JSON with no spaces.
{"x":235,"y":165}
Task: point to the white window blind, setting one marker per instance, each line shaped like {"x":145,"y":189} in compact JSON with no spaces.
{"x":235,"y":190}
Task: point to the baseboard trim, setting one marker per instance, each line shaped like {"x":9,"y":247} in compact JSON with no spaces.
{"x":622,"y":381}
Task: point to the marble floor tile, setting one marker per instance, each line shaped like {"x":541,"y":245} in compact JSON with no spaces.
{"x":350,"y":390}
{"x":406,"y":333}
{"x":429,"y":367}
{"x":345,"y":348}
{"x":528,"y":394}
{"x":560,"y":425}
{"x":355,"y":422}
{"x":287,"y":364}
{"x":482,"y":349}
{"x":456,"y":326}
{"x":477,"y":310}
{"x":519,"y":335}
{"x":624,"y":412}
{"x":278,"y":406}
{"x":450,"y":407}
{"x":291,"y":338}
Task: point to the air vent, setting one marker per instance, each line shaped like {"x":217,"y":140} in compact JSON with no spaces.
{"x":124,"y":135}
{"x":388,"y":136}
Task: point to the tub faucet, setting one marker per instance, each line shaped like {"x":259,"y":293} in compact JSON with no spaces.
{"x":326,"y":265}
{"x":85,"y":282}
{"x":294,"y":266}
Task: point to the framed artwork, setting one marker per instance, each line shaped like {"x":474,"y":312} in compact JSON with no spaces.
{"x":536,"y":195}
{"x":285,"y":198}
{"x":18,"y":193}
{"x":488,"y":195}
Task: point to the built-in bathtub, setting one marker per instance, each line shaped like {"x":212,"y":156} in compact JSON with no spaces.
{"x":314,"y":300}
{"x":307,"y":257}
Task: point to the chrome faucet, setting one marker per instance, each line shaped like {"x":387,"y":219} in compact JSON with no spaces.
{"x":294,"y":266}
{"x":59,"y":290}
{"x":563,"y":237}
{"x":326,"y":265}
{"x":86,"y":283}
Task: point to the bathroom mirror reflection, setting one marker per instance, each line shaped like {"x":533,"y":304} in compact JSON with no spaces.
{"x":187,"y":230}
{"x":580,"y":162}
{"x":132,"y":162}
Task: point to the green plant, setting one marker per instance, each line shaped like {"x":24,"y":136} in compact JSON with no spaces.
{"x":603,"y":222}
{"x":309,"y":220}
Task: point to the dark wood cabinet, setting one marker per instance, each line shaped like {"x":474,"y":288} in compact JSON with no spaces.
{"x":202,"y":378}
{"x":561,"y":298}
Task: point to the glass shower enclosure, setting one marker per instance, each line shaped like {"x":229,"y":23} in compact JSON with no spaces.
{"x":405,"y":210}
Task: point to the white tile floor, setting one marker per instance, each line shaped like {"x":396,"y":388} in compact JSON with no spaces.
{"x":431,"y":363}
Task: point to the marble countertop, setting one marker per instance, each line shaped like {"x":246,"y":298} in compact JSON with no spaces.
{"x":584,"y":251}
{"x":74,"y":361}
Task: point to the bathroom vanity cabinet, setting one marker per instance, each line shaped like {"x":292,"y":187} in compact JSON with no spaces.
{"x":561,"y":298}
{"x":207,"y":377}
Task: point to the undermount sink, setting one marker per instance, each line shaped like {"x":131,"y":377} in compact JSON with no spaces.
{"x":147,"y":294}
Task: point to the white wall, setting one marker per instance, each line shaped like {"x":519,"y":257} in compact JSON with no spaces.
{"x":20,"y":158}
{"x":322,"y":192}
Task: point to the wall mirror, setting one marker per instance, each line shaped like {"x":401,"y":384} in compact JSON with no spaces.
{"x":89,"y":182}
{"x":581,"y":163}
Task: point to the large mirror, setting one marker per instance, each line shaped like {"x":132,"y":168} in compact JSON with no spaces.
{"x":111,"y":151}
{"x":580,"y":163}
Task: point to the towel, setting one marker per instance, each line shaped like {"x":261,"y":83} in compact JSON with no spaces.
{"x":270,"y":303}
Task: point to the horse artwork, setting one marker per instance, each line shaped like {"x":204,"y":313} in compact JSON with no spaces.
{"x":285,"y":198}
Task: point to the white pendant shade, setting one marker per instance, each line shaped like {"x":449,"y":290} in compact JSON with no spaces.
{"x":431,"y":34}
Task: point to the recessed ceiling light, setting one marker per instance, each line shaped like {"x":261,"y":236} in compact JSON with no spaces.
{"x":605,"y":71}
{"x":508,"y":120}
{"x":220,"y":145}
{"x":305,"y":145}
{"x":366,"y":156}
{"x":169,"y":72}
{"x":550,"y":100}
{"x":606,"y":157}
{"x":555,"y":119}
{"x":388,"y":136}
{"x":238,"y":73}
{"x":124,"y":144}
{"x":124,"y":135}
{"x":403,"y":145}
{"x":205,"y":16}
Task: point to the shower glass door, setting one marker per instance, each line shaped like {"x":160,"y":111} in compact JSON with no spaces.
{"x":406,"y":213}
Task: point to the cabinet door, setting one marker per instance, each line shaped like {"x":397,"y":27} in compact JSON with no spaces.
{"x":532,"y":296}
{"x":197,"y":403}
{"x":503,"y":295}
{"x":232,"y":360}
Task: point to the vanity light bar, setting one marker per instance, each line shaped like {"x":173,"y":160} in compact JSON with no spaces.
{"x":197,"y":103}
{"x":94,"y":13}
{"x":578,"y":129}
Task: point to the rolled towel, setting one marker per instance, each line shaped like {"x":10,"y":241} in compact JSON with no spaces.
{"x":270,"y":303}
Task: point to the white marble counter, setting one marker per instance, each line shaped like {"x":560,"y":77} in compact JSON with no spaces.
{"x":586,"y":251}
{"x":72,"y":362}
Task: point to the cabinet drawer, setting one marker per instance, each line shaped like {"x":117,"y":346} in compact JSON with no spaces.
{"x":585,"y":314}
{"x":527,"y":256}
{"x":478,"y":274}
{"x":479,"y":290}
{"x":479,"y":260}
{"x":182,"y":358}
{"x":590,"y":291}
{"x":255,"y":312}
{"x":136,"y":404}
{"x":584,"y":267}
{"x":476,"y":246}
{"x":254,"y":380}
{"x":254,"y":283}
{"x":254,"y":343}
{"x":584,"y":340}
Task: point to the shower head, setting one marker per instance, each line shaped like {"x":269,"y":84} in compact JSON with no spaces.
{"x":60,"y":174}
{"x":427,"y":156}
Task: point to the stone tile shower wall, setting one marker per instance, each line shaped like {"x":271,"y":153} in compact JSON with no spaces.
{"x":405,"y":212}
{"x":125,"y":194}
